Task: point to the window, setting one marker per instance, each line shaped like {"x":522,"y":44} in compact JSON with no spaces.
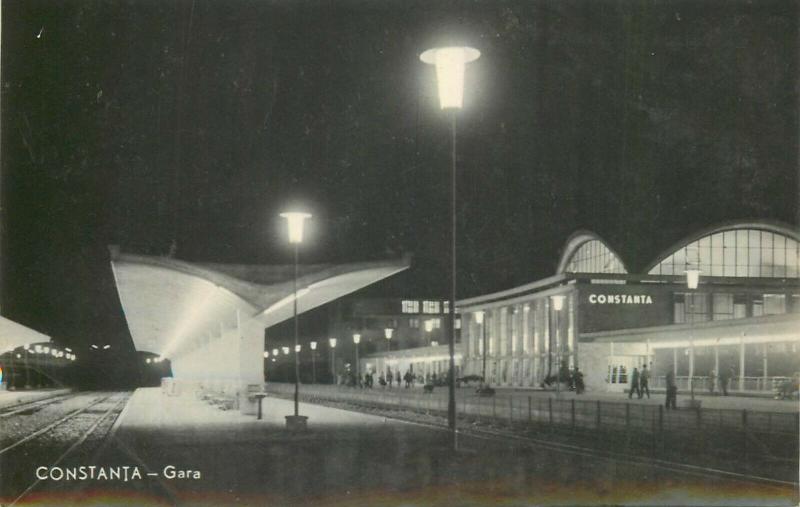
{"x":446,"y":306}
{"x":594,"y":257}
{"x":430,"y":307}
{"x":722,"y":306}
{"x":413,"y":323}
{"x":690,"y":307}
{"x":737,"y":253}
{"x":410,"y":306}
{"x":774,"y":304}
{"x":795,"y":303}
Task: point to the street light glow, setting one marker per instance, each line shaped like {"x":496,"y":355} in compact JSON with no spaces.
{"x":313,"y":345}
{"x":295,"y":220}
{"x":356,"y":338}
{"x":388,"y":333}
{"x":285,"y":350}
{"x":450,"y":63}
{"x":106,"y":347}
{"x":266,"y":354}
{"x":147,"y":360}
{"x":275,"y":352}
{"x":332,"y":342}
{"x":479,"y":316}
{"x":298,"y":347}
{"x":692,"y":277}
{"x":558,"y":302}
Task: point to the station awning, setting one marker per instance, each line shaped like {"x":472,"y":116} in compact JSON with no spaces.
{"x":13,"y":335}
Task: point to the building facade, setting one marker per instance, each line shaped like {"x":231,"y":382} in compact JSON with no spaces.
{"x":742,"y":321}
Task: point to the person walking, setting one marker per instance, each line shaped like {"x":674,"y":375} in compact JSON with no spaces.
{"x":579,"y":386}
{"x":672,"y":391}
{"x":712,"y":377}
{"x":644,"y":382}
{"x":389,"y":377}
{"x":723,"y":382}
{"x":634,"y":383}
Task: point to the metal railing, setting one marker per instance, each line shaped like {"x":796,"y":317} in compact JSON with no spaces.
{"x":743,"y":435}
{"x":704,"y":383}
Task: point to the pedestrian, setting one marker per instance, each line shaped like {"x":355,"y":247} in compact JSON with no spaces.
{"x":672,"y":391}
{"x":644,"y":382}
{"x":389,"y":377}
{"x":712,"y":376}
{"x":634,"y":383}
{"x":579,"y":386}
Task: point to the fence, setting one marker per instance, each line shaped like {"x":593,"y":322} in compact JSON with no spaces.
{"x":750,"y":438}
{"x":704,"y":383}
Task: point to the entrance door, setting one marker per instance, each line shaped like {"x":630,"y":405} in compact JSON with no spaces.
{"x":619,"y":371}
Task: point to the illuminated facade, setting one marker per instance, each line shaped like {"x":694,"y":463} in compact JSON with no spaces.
{"x":743,"y":319}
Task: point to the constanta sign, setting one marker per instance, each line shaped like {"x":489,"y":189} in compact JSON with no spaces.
{"x":620,"y":299}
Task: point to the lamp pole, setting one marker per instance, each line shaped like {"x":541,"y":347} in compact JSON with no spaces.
{"x":313,"y":362}
{"x":357,"y":340}
{"x":450,"y":64}
{"x":295,"y":220}
{"x":479,"y":316}
{"x":692,"y":280}
{"x":332,"y":343}
{"x":558,"y":304}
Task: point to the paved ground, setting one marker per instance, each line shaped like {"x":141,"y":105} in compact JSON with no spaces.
{"x":9,"y":398}
{"x":348,"y":458}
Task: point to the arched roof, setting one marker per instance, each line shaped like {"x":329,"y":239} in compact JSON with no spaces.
{"x":738,"y":249}
{"x":171,"y":304}
{"x":586,"y":252}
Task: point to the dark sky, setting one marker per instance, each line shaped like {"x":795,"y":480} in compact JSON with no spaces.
{"x":140,"y":123}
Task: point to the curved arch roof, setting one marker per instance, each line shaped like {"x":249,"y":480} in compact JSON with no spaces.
{"x":586,"y":252}
{"x":735,"y":249}
{"x":172,"y":305}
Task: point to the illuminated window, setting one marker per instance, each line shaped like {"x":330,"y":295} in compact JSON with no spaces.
{"x":690,"y":307}
{"x":774,"y":304}
{"x":410,"y":306}
{"x":445,"y":306}
{"x":430,"y":307}
{"x":413,"y":323}
{"x":594,"y":257}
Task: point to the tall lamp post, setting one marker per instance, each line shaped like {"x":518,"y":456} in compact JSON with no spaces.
{"x":357,"y":340}
{"x":295,"y":221}
{"x":332,"y":343}
{"x":313,"y":362}
{"x":450,"y":63}
{"x":692,"y":281}
{"x":558,"y":304}
{"x":479,"y":316}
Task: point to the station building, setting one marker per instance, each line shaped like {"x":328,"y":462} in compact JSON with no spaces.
{"x":743,"y":320}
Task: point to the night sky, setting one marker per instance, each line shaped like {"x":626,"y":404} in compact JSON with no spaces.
{"x":194,"y":123}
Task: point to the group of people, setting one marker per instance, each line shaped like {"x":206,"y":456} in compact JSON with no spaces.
{"x":640,"y":382}
{"x":368,"y":379}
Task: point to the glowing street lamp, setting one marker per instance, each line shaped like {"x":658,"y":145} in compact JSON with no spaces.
{"x":450,"y":63}
{"x":558,"y":305}
{"x":479,"y":316}
{"x":387,"y":332}
{"x":332,"y":343}
{"x":313,"y":345}
{"x":275,"y":352}
{"x":285,"y":351}
{"x":295,"y":221}
{"x":692,"y":281}
{"x":266,"y":354}
{"x":357,"y":340}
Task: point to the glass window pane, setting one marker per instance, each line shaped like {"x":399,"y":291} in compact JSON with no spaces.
{"x":755,"y":262}
{"x":780,"y":262}
{"x":766,"y":239}
{"x":729,"y":238}
{"x":755,"y":239}
{"x":779,"y":242}
{"x":741,"y":239}
{"x":729,"y":259}
{"x":766,"y":261}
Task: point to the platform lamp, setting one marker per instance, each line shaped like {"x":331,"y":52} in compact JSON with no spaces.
{"x":479,"y":316}
{"x":558,"y":305}
{"x":692,"y":281}
{"x":332,"y":343}
{"x":450,"y":63}
{"x":313,"y":362}
{"x":26,"y":348}
{"x":387,"y":332}
{"x":295,"y":220}
{"x":357,"y":340}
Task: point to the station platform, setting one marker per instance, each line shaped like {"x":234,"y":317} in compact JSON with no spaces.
{"x":192,"y":453}
{"x":11,"y":398}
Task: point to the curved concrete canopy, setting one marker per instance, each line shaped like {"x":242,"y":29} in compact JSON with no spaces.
{"x":173,"y":307}
{"x":13,"y":335}
{"x":577,"y":252}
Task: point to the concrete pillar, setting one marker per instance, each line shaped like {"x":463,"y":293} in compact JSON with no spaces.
{"x":675,"y":362}
{"x":716,"y":363}
{"x":691,"y":364}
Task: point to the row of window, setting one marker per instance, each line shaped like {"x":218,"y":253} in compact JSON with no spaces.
{"x":700,"y":306}
{"x":739,"y":253}
{"x":413,"y":306}
{"x":594,"y":257}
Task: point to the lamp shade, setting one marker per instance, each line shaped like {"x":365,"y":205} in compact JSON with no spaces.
{"x":450,"y":63}
{"x":692,"y":278}
{"x":356,"y":338}
{"x":332,"y":342}
{"x":558,"y":302}
{"x":313,"y":345}
{"x":274,"y":352}
{"x":295,"y":220}
{"x":388,"y":333}
{"x":285,"y":350}
{"x":266,"y":354}
{"x":479,"y":316}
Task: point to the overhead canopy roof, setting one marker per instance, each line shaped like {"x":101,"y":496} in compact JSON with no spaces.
{"x":13,"y":335}
{"x":172,"y":306}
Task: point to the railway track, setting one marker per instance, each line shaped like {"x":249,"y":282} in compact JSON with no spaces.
{"x":33,"y":405}
{"x":52,"y":443}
